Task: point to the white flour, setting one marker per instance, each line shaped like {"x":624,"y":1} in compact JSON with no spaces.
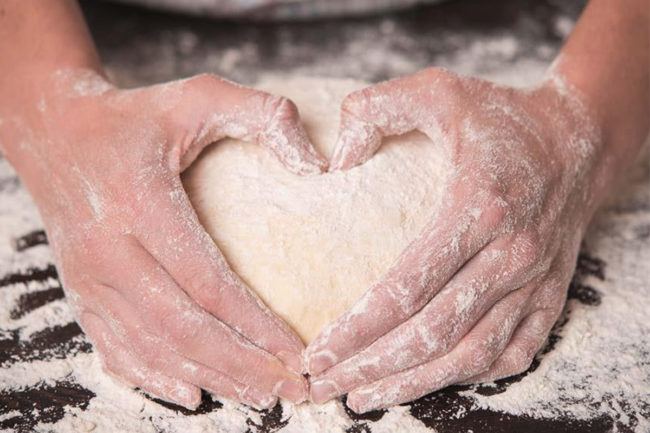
{"x":600,"y":367}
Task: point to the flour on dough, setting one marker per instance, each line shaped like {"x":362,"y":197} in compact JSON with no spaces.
{"x":311,"y":246}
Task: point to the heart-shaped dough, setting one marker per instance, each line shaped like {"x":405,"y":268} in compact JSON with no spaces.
{"x":310,"y":246}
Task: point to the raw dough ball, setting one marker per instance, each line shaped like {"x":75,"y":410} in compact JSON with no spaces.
{"x":310,"y":246}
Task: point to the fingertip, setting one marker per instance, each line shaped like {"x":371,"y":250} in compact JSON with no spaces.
{"x":185,"y":395}
{"x":355,"y":145}
{"x":323,"y":390}
{"x":314,"y":165}
{"x":295,"y":389}
{"x":259,"y":400}
{"x":357,"y":404}
{"x":316,"y":162}
{"x":296,"y":153}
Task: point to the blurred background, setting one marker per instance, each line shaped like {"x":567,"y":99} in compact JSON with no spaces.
{"x":509,"y":41}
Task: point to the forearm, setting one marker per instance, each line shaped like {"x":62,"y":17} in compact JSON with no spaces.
{"x":37,"y":38}
{"x":607,"y":59}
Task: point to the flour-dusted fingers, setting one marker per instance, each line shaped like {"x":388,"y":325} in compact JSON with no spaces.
{"x":160,"y":356}
{"x":126,"y":323}
{"x":544,"y":308}
{"x":434,"y":330}
{"x":213,"y":108}
{"x":528,"y":339}
{"x":426,"y":265}
{"x":172,"y":233}
{"x":389,"y":108}
{"x":122,"y":363}
{"x":473,"y":355}
{"x":166,"y":310}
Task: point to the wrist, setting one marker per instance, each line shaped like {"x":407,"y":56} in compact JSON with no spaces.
{"x":26,"y":94}
{"x":33,"y":122}
{"x":577,"y":134}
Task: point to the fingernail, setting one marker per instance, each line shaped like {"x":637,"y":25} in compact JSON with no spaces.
{"x":356,"y":408}
{"x":364,"y":400}
{"x":186,"y":397}
{"x":322,"y":391}
{"x":293,"y":390}
{"x":292,"y":360}
{"x":260,"y":400}
{"x":321,"y":362}
{"x":358,"y":405}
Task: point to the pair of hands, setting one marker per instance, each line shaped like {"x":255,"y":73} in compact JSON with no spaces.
{"x":471,"y":299}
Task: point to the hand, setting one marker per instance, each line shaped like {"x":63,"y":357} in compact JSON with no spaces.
{"x":148,"y":285}
{"x":474,"y":296}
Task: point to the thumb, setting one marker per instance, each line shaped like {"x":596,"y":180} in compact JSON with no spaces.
{"x":392,"y":107}
{"x":367,"y":116}
{"x":358,"y":138}
{"x":215,"y":108}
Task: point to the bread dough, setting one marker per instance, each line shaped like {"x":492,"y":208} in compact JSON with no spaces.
{"x":310,"y":246}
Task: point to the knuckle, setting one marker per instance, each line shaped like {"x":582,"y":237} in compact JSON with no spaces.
{"x":434,"y":74}
{"x":496,"y":211}
{"x":91,"y":245}
{"x":174,"y":331}
{"x":555,"y":311}
{"x":150,"y":357}
{"x":94,"y":259}
{"x":356,"y":103}
{"x":448,"y":83}
{"x":204,"y":80}
{"x":281,"y":108}
{"x":521,"y":359}
{"x":551,"y":296}
{"x":481,"y":361}
{"x":170,"y":324}
{"x":480,"y":356}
